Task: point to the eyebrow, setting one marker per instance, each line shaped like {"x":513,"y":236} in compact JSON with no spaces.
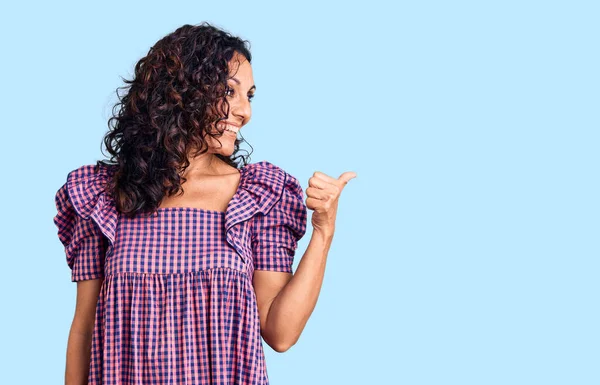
{"x":238,"y":82}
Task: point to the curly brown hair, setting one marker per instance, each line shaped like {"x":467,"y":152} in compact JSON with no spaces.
{"x":170,"y":106}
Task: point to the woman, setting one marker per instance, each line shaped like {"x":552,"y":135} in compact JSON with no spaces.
{"x":183,"y":259}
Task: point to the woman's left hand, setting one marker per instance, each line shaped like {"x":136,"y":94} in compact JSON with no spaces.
{"x":323,"y":194}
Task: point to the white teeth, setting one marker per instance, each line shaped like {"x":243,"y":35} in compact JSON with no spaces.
{"x":231,"y":128}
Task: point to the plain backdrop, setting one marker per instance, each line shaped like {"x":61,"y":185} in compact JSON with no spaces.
{"x":466,"y":250}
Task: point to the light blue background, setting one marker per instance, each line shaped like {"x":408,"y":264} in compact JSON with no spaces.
{"x":466,"y":249}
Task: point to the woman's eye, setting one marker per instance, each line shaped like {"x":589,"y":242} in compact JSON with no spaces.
{"x":229,"y":89}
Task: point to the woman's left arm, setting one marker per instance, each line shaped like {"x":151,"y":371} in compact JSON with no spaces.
{"x":287,"y":300}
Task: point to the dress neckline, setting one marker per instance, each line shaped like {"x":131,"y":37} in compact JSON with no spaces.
{"x":191,"y":209}
{"x":207,"y":211}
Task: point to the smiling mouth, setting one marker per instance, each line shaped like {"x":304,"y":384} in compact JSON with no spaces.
{"x":233,"y":129}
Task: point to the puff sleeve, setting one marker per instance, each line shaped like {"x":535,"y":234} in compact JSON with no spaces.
{"x":85,"y":244}
{"x":276,"y":234}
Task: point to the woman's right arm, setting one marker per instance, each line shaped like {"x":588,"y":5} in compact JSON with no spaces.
{"x":80,"y":337}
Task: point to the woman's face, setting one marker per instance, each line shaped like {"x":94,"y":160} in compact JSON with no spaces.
{"x":240,"y":91}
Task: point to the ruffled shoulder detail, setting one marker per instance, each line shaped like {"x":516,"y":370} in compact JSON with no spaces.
{"x":275,"y":235}
{"x":260,"y":188}
{"x":86,"y":189}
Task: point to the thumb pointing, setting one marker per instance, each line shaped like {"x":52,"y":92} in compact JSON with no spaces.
{"x":345,"y":177}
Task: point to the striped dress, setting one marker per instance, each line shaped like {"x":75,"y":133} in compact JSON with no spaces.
{"x":177,"y":305}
